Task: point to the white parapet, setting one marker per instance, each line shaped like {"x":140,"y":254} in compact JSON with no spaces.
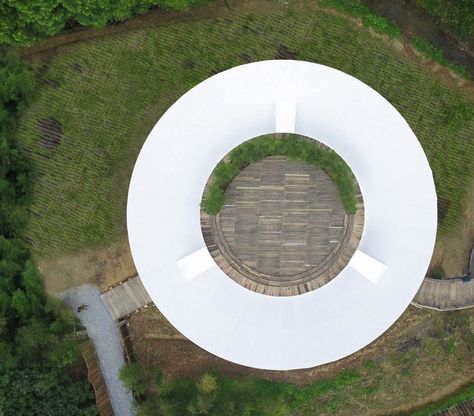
{"x":285,"y":116}
{"x":195,"y":264}
{"x":367,"y":266}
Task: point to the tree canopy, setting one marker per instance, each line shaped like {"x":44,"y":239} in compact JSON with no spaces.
{"x":36,"y":349}
{"x":23,"y":22}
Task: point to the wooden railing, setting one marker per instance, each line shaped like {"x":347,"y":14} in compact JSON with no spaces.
{"x":95,"y":378}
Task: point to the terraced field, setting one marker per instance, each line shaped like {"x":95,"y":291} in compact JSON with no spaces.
{"x":100,"y":98}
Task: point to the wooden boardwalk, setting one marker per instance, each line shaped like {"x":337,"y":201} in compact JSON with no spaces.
{"x":445,"y":295}
{"x":283,"y":230}
{"x":126,"y":297}
{"x":94,"y":376}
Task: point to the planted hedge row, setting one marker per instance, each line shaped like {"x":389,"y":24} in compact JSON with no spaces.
{"x":290,"y":146}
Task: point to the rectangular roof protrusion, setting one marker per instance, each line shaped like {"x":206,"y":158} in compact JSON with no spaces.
{"x":285,"y":116}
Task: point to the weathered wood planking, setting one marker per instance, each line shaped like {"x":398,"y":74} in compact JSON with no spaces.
{"x":125,"y":298}
{"x":283,"y":230}
{"x":445,"y":295}
{"x":94,"y":375}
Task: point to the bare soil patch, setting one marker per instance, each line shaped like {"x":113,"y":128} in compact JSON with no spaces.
{"x":158,"y":343}
{"x":50,"y":132}
{"x":77,"y":67}
{"x":52,"y":83}
{"x":102,"y":267}
{"x":284,"y":53}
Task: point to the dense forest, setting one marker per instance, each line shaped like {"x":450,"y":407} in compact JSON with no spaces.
{"x":22,"y":23}
{"x":39,"y":356}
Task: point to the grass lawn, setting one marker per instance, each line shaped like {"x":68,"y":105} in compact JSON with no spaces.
{"x":107,"y":93}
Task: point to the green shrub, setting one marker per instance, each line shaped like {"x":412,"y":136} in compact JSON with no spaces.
{"x":425,"y":47}
{"x":357,"y":8}
{"x":437,"y":272}
{"x":292,"y":147}
{"x":381,"y":25}
{"x":133,"y":377}
{"x":214,"y":200}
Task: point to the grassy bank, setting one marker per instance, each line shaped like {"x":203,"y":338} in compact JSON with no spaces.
{"x":463,"y":394}
{"x":101,"y":98}
{"x":421,"y":360}
{"x":290,"y":146}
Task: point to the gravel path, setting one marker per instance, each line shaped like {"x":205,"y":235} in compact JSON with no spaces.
{"x":106,"y":338}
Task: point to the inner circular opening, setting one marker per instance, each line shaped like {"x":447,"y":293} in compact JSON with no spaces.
{"x":282,"y":214}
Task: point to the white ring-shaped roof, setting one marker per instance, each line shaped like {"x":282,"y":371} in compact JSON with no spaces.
{"x":317,"y":327}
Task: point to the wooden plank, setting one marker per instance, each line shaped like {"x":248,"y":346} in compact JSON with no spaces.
{"x":283,"y":230}
{"x":449,"y":294}
{"x":123,"y":299}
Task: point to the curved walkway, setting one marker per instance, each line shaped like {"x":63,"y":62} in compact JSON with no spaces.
{"x":105,"y":335}
{"x":445,"y":295}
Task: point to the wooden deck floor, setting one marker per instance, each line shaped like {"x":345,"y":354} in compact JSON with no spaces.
{"x":126,"y":297}
{"x":94,"y":375}
{"x":283,"y":230}
{"x":282,"y":217}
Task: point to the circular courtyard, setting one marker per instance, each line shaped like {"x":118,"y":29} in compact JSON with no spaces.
{"x":283,"y":229}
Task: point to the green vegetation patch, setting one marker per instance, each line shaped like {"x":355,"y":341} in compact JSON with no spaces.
{"x":369,"y":18}
{"x":216,"y":394}
{"x":290,"y":146}
{"x":437,"y":55}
